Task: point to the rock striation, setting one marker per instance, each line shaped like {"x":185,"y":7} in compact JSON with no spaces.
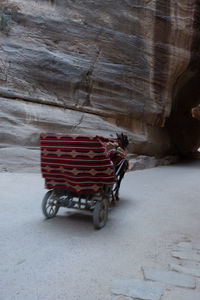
{"x":100,"y":67}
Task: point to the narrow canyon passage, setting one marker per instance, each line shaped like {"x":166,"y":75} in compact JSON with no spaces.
{"x":184,"y":130}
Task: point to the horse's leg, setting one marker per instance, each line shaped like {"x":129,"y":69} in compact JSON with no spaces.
{"x":121,"y":176}
{"x":118,"y":186}
{"x":115,"y":190}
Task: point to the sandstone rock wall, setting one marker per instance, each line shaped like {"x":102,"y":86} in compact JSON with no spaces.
{"x":93,"y":66}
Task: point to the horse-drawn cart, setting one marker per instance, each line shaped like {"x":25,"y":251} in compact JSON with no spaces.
{"x":79,"y":174}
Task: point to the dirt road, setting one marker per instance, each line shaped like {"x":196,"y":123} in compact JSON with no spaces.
{"x":65,"y":258}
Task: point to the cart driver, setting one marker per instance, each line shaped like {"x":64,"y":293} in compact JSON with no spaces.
{"x":117,"y":150}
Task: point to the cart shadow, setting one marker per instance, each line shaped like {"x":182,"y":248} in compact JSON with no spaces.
{"x":80,"y":217}
{"x":70,"y":221}
{"x":81,"y":222}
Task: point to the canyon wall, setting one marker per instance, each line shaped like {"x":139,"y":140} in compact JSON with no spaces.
{"x":96,"y":67}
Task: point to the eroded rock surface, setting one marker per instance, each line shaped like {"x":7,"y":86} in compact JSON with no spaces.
{"x":98,"y":67}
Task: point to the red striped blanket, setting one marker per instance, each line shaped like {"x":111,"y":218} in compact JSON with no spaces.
{"x":76,"y":162}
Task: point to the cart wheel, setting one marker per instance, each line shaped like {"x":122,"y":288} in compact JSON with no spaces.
{"x":100,"y":214}
{"x":50,"y":205}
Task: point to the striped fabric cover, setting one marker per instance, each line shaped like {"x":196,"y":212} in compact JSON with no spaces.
{"x":76,"y":162}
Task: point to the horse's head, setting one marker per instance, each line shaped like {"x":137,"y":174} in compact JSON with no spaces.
{"x":195,"y":111}
{"x":122,"y":141}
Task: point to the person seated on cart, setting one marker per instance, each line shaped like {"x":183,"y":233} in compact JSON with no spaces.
{"x":117,"y":150}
